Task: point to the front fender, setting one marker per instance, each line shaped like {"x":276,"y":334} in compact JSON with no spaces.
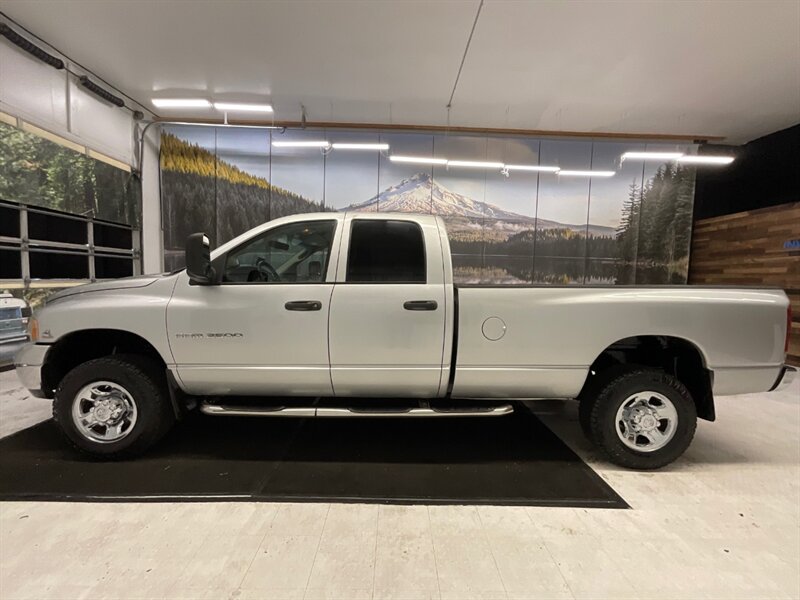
{"x":140,"y":311}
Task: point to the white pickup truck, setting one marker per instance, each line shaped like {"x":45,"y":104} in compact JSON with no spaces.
{"x":354,"y":314}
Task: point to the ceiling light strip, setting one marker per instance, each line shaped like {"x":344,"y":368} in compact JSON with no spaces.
{"x":706,"y":159}
{"x":569,"y":173}
{"x":423,"y":160}
{"x":180,"y":103}
{"x":301,"y":144}
{"x":542,"y":168}
{"x":242,"y":107}
{"x":652,"y":155}
{"x":475,"y":164}
{"x":348,"y":146}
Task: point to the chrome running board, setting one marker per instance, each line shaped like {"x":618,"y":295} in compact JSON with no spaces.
{"x":253,"y":411}
{"x":322,"y":411}
{"x":495,"y":411}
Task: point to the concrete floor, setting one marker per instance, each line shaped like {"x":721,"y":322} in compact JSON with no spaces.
{"x":722,"y":522}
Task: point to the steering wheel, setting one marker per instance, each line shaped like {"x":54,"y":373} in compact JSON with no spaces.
{"x":266,"y":270}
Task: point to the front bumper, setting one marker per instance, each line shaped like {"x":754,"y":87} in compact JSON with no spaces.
{"x":785,"y":378}
{"x":28,"y":362}
{"x":22,"y":337}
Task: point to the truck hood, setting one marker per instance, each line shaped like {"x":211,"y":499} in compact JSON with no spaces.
{"x":125,"y":283}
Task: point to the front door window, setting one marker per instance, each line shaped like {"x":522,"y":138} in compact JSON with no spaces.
{"x":295,"y":253}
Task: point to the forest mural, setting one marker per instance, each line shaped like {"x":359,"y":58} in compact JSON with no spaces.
{"x":517,"y":227}
{"x":203,"y":193}
{"x":36,"y":171}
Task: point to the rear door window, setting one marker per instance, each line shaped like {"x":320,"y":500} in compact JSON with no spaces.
{"x":386,"y":251}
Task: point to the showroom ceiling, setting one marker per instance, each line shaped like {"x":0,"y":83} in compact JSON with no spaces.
{"x":728,"y":69}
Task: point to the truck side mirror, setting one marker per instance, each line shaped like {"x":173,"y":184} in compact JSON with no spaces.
{"x":198,"y":260}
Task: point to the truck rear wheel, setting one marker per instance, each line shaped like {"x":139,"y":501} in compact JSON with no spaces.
{"x":642,"y":418}
{"x":113,"y":407}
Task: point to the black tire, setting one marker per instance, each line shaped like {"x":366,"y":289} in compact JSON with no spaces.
{"x":613,"y":392}
{"x":588,"y":396}
{"x":585,"y":406}
{"x":143,"y":378}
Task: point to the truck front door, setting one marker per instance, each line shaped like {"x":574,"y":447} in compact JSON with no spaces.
{"x":264,"y":329}
{"x":388,"y":310}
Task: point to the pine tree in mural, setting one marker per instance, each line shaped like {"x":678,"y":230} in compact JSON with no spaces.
{"x":682,"y":222}
{"x":654,"y":233}
{"x":39,"y":172}
{"x":203,"y":193}
{"x":629,"y":221}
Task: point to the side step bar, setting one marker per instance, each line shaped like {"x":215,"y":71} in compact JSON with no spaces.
{"x":282,"y":411}
{"x":253,"y":411}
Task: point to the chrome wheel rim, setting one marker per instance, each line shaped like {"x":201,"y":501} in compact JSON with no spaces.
{"x":646,"y":421}
{"x":104,"y":412}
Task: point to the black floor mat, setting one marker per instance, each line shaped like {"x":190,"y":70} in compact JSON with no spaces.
{"x":484,"y":460}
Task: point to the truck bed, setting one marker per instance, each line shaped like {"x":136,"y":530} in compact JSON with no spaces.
{"x":553,"y":334}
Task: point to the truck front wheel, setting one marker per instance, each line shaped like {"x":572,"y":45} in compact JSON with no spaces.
{"x":642,"y":418}
{"x":113,"y":407}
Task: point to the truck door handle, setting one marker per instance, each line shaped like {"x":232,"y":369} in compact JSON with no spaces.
{"x":303,"y":305}
{"x":421,"y":305}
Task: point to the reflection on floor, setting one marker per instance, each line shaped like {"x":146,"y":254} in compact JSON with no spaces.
{"x":723,"y":522}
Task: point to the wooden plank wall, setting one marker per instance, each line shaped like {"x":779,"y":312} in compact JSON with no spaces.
{"x":747,"y":248}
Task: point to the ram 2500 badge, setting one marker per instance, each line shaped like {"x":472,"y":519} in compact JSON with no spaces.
{"x":324,"y":308}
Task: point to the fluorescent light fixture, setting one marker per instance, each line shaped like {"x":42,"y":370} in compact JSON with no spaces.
{"x":301,"y":144}
{"x":243,"y":107}
{"x":181,"y":103}
{"x":423,"y":160}
{"x":587,"y":173}
{"x":343,"y":146}
{"x":652,"y":155}
{"x":475,"y":164}
{"x":542,"y":168}
{"x":705,"y":159}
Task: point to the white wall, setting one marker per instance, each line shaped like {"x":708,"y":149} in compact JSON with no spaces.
{"x":152,"y":235}
{"x":55,"y":101}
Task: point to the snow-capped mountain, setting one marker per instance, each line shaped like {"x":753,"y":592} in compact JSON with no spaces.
{"x":421,"y":194}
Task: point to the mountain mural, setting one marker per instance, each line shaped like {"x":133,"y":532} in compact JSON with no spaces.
{"x":203,"y":192}
{"x":421,"y":194}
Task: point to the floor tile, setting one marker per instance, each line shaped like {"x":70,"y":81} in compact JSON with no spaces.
{"x":526,"y":565}
{"x":344,"y":562}
{"x":405,"y":562}
{"x":299,"y":519}
{"x":405,"y":594}
{"x":281,"y":563}
{"x":465,"y":564}
{"x":396,"y":519}
{"x":454,"y":520}
{"x":338,"y":594}
{"x":588,"y":570}
{"x":245,"y":593}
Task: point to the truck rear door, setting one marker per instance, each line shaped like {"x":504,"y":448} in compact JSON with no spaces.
{"x":388,"y":309}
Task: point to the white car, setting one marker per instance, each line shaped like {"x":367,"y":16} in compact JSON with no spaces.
{"x":302,"y":314}
{"x":14,"y":314}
